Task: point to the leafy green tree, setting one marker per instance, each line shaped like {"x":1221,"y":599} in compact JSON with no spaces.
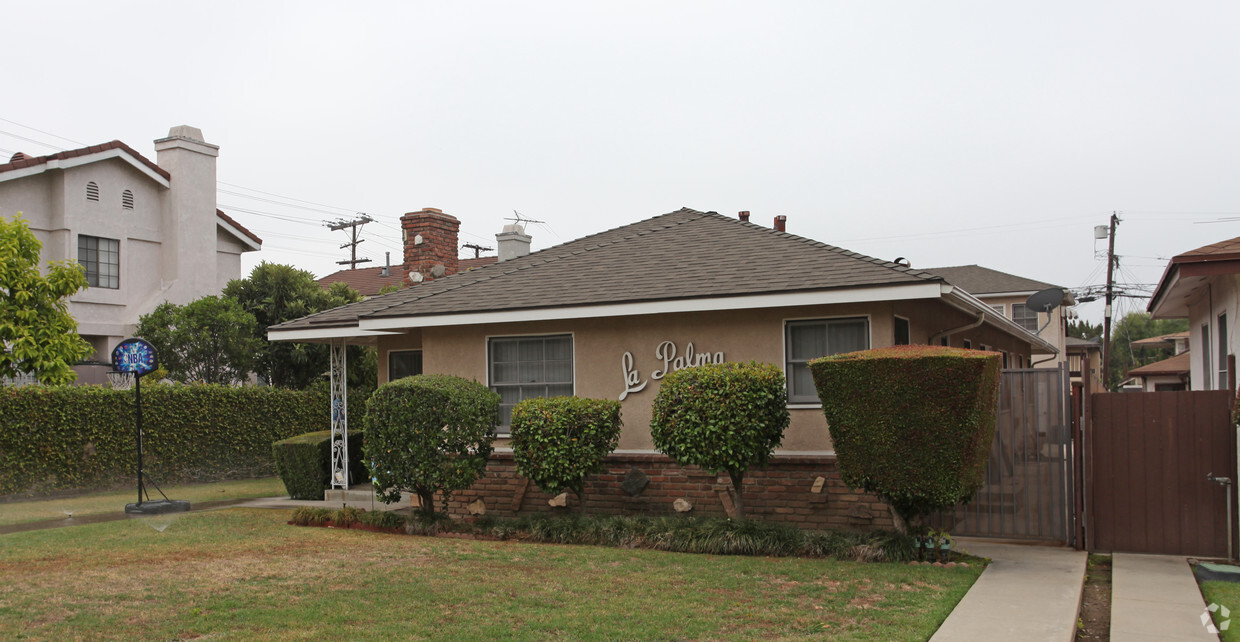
{"x":725,"y":417}
{"x":1135,"y":326}
{"x":1082,"y":329}
{"x":429,"y":434}
{"x":276,"y":293}
{"x":37,"y":334}
{"x":210,"y":340}
{"x":558,"y":441}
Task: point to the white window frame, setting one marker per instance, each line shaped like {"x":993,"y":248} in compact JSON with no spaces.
{"x":1221,"y":366}
{"x":502,"y":429}
{"x":909,"y":324}
{"x":869,"y":338}
{"x":1037,"y":321}
{"x":1207,"y":363}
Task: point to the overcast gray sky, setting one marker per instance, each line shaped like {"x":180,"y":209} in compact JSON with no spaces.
{"x":949,"y":133}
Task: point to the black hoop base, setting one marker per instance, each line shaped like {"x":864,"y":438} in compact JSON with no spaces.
{"x":158,"y":507}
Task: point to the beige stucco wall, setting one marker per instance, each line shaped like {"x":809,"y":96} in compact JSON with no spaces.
{"x":600,"y":344}
{"x":1053,"y":332}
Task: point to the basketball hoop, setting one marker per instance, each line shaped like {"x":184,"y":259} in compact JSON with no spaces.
{"x":120,"y":380}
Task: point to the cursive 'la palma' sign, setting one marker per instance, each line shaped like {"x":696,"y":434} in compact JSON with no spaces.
{"x":669,"y":358}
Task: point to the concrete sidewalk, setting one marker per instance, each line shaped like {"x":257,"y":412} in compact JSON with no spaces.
{"x":1029,"y":592}
{"x":1155,"y":597}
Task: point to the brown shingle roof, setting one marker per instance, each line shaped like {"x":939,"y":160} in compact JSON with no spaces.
{"x":976,"y":279}
{"x":31,"y":161}
{"x":682,"y":255}
{"x":369,"y":281}
{"x":1177,"y":365}
{"x":1228,"y":247}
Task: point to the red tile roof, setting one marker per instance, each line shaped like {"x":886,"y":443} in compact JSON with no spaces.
{"x":31,"y":161}
{"x":369,"y":281}
{"x":240,"y":228}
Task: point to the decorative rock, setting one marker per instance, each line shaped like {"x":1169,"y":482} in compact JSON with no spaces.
{"x":635,"y":482}
{"x":682,"y":505}
{"x":818,"y":485}
{"x":559,"y":501}
{"x":477,"y":507}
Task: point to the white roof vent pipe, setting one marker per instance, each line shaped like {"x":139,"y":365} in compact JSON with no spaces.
{"x":513,"y":242}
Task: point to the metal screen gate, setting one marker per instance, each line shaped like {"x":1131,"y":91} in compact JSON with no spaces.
{"x":1028,"y":489}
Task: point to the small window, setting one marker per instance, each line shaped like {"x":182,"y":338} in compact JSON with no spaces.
{"x":968,"y":345}
{"x":529,"y":367}
{"x":943,"y":341}
{"x":102,"y":259}
{"x":127,"y":199}
{"x":806,"y":340}
{"x":998,"y":307}
{"x":1024,"y":317}
{"x":404,"y":363}
{"x":1223,"y":383}
{"x":92,"y":191}
{"x":1207,"y":367}
{"x":902,"y":332}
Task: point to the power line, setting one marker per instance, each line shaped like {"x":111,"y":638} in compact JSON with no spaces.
{"x":43,"y":132}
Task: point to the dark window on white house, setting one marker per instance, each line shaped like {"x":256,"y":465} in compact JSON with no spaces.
{"x":902,"y":332}
{"x":1024,"y":317}
{"x":806,"y":340}
{"x":102,"y":259}
{"x":127,"y":200}
{"x":1222,"y":352}
{"x":92,"y":191}
{"x":1207,"y":367}
{"x":528,"y":367}
{"x":404,"y":363}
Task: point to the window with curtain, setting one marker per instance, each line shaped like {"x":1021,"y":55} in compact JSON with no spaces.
{"x":806,"y":340}
{"x":528,"y":367}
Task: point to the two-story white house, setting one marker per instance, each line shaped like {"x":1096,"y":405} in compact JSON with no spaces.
{"x":145,"y":232}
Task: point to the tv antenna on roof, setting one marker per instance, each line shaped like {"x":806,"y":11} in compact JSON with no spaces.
{"x":521,"y":219}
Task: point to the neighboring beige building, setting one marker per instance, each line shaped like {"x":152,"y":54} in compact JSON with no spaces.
{"x":1007,"y":294}
{"x":1168,"y":375}
{"x":146,"y":232}
{"x":1203,"y":286}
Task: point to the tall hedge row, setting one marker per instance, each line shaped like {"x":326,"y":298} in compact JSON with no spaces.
{"x":913,"y":424}
{"x":64,"y":438}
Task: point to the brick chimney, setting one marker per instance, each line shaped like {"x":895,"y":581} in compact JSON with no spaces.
{"x":780,"y":223}
{"x":744,"y":215}
{"x":430,"y":244}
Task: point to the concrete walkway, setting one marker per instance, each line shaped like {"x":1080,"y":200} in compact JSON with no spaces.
{"x":1028,"y":592}
{"x":1155,"y":597}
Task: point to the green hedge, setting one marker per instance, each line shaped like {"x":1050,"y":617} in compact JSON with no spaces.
{"x":558,"y":441}
{"x":83,"y":437}
{"x":304,"y":462}
{"x":429,"y":434}
{"x":913,"y":424}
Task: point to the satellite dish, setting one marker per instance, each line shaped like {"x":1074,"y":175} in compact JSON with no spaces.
{"x":1046,"y":300}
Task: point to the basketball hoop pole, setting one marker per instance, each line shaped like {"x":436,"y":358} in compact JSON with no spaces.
{"x":137,"y":382}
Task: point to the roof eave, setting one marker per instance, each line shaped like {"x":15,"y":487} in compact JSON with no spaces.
{"x":969,"y":303}
{"x":66,"y":163}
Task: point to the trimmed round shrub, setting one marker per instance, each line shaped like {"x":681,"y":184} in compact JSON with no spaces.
{"x":912,"y":424}
{"x":558,"y":441}
{"x":429,"y":434}
{"x":724,"y":417}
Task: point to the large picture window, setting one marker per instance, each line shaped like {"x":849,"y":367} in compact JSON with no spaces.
{"x":102,"y":259}
{"x":806,"y":340}
{"x":528,"y":367}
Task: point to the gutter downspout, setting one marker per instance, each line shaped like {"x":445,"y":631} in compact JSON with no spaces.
{"x":981,"y":318}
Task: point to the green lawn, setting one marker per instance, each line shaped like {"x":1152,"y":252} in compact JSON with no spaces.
{"x":114,"y":502}
{"x":244,"y":574}
{"x":1225,"y":594}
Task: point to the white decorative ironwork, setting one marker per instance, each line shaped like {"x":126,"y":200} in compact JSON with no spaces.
{"x":339,"y":416}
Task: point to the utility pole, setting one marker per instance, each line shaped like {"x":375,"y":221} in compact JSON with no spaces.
{"x":356,"y":229}
{"x":1106,"y":330}
{"x":478,"y":249}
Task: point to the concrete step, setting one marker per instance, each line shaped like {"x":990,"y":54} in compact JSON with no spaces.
{"x":360,"y":495}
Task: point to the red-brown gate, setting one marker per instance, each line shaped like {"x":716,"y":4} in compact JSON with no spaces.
{"x":1148,"y":460}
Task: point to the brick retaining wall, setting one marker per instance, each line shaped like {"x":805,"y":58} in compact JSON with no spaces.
{"x":783,"y":491}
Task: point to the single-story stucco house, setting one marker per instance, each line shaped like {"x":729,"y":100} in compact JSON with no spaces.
{"x":608,"y":315}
